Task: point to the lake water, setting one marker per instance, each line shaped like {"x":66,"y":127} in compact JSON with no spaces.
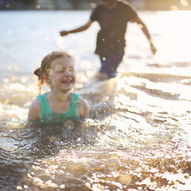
{"x":138,"y":133}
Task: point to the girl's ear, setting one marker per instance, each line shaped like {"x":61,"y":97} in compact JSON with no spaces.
{"x":47,"y":79}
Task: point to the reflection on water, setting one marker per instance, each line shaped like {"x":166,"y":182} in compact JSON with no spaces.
{"x":137,"y":136}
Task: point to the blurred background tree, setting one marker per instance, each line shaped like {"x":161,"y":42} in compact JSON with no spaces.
{"x":76,"y":3}
{"x":17,"y":4}
{"x":86,"y":4}
{"x":27,"y":2}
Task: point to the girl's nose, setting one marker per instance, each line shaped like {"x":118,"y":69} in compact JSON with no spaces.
{"x":67,"y":72}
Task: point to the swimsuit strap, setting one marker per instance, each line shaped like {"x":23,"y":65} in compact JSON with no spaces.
{"x":45,"y":109}
{"x":74,"y":105}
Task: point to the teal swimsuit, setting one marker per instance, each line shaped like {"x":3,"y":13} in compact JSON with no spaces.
{"x":49,"y":117}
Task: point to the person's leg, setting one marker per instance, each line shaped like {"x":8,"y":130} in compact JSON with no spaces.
{"x":110,"y":64}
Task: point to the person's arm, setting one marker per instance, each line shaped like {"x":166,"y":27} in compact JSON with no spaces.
{"x":79,"y":29}
{"x":34,"y":111}
{"x":146,"y":32}
{"x":83,"y":108}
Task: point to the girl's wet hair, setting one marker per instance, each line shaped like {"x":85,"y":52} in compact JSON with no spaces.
{"x":42,"y":71}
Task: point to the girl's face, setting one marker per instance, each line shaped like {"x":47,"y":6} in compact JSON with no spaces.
{"x":62,"y":75}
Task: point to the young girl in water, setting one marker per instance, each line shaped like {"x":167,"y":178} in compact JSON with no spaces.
{"x":59,"y":104}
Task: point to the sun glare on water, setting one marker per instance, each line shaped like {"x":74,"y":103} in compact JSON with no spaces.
{"x":175,"y":43}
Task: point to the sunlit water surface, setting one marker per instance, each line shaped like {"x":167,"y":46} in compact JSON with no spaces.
{"x":138,"y":133}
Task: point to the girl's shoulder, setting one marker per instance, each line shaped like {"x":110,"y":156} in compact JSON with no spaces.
{"x":35,"y":104}
{"x":83,"y":107}
{"x":34,"y":110}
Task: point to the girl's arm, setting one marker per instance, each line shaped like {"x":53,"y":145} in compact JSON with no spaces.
{"x":83,"y":108}
{"x":34,"y":111}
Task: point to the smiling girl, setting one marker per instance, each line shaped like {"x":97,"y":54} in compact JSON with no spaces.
{"x":59,"y":104}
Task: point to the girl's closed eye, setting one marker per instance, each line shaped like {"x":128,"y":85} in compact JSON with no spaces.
{"x":65,"y":70}
{"x":59,"y":71}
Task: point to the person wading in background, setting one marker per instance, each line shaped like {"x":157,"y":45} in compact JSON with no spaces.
{"x":112,"y":16}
